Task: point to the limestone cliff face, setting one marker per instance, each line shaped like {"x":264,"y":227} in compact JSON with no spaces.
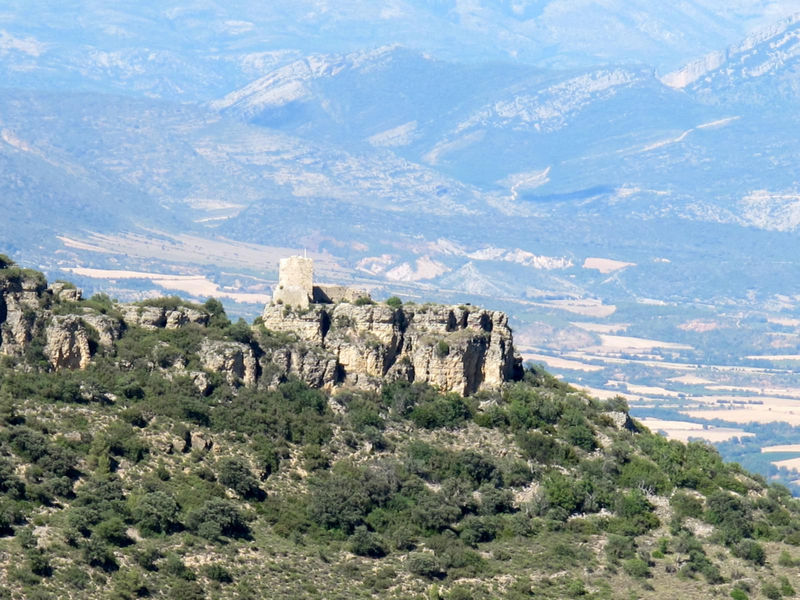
{"x":25,"y":315}
{"x":67,"y":343}
{"x":154,"y":317}
{"x":458,"y":349}
{"x":234,"y":359}
{"x":312,"y":364}
{"x":20,"y":312}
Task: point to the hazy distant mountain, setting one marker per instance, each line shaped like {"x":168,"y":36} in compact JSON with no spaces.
{"x":199,"y":50}
{"x":477,"y":151}
{"x":763,"y":69}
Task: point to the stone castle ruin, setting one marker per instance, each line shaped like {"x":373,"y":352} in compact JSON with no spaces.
{"x":329,"y":343}
{"x":296,"y":286}
{"x":344,"y":342}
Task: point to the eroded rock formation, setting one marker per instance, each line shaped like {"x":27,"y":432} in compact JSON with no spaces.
{"x":234,"y":359}
{"x":460,"y":349}
{"x":67,"y":342}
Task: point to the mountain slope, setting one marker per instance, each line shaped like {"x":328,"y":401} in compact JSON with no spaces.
{"x":133,"y":475}
{"x":740,"y":74}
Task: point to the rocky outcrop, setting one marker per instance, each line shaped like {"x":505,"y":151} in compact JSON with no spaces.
{"x":65,"y":292}
{"x":234,"y":359}
{"x":67,"y":345}
{"x":109,"y":329}
{"x":460,"y":349}
{"x":21,"y":316}
{"x":314,"y":365}
{"x":155,"y":317}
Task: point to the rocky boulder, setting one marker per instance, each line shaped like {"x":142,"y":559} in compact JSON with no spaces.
{"x":65,"y":292}
{"x":155,"y":317}
{"x":147,"y":317}
{"x":21,"y":315}
{"x":67,"y":345}
{"x":314,"y":365}
{"x":109,"y":329}
{"x":233,"y":359}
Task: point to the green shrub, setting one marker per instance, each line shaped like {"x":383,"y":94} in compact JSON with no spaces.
{"x":460,"y":592}
{"x":39,"y":563}
{"x":686,"y":505}
{"x":75,"y":576}
{"x":235,"y":474}
{"x":771,"y":591}
{"x":739,"y":594}
{"x":563,"y":492}
{"x":394,"y":302}
{"x":217,"y":572}
{"x":363,"y":410}
{"x":432,"y":513}
{"x":786,"y":587}
{"x":577,"y":431}
{"x":475,"y":530}
{"x":442,"y":348}
{"x":423,"y":564}
{"x":156,"y":512}
{"x":186,"y":590}
{"x":619,"y":547}
{"x":113,"y":531}
{"x":543,"y":449}
{"x":366,"y":543}
{"x":216,"y":310}
{"x":636,"y":567}
{"x":217,"y":518}
{"x":6,"y":262}
{"x":643,"y":474}
{"x":730,"y":515}
{"x":445,"y":411}
{"x":750,"y":550}
{"x":495,"y":500}
{"x":339,"y":501}
{"x":636,"y":513}
{"x":175,"y":567}
{"x":97,"y":553}
{"x":146,"y":556}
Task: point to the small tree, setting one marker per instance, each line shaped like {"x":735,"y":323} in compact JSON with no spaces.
{"x":6,"y":262}
{"x":217,"y":312}
{"x":424,"y":564}
{"x":156,"y":512}
{"x":235,"y":474}
{"x":366,"y":543}
{"x":218,"y":517}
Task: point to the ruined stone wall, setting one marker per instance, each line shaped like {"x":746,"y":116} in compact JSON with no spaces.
{"x":331,"y":294}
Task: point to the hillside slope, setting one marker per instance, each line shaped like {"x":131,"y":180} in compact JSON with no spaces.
{"x":150,"y":470}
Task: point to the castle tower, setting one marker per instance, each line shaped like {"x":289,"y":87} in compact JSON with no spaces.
{"x":295,"y":282}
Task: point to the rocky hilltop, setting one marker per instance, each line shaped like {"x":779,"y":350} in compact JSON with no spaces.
{"x":457,"y":349}
{"x":159,"y":450}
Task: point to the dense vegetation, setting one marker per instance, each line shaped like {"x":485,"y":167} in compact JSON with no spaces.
{"x":124,"y":480}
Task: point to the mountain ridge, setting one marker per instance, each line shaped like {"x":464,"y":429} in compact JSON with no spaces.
{"x":128,"y":472}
